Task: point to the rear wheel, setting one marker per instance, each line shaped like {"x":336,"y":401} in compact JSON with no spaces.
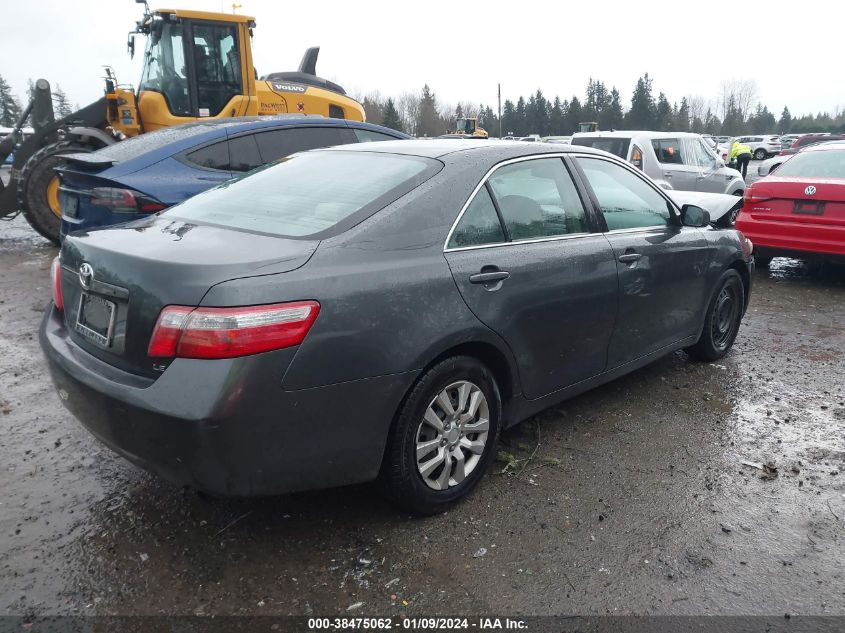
{"x":722,"y":320}
{"x":760,"y":154}
{"x":39,"y":187}
{"x":444,"y":437}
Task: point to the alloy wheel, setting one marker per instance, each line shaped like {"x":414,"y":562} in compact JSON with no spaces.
{"x":452,"y":436}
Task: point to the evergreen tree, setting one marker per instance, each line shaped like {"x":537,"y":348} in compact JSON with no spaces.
{"x":612,"y":117}
{"x":10,"y":108}
{"x":61,"y":104}
{"x":430,"y":123}
{"x":785,"y":123}
{"x":574,"y":116}
{"x":556,"y":117}
{"x":520,"y":125}
{"x":682,"y":118}
{"x":373,"y":109}
{"x":643,"y":112}
{"x":663,"y":119}
{"x":509,"y":118}
{"x":391,"y":117}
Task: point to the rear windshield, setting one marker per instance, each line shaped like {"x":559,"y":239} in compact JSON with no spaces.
{"x":829,"y":163}
{"x":312,"y":194}
{"x":137,"y":145}
{"x":617,"y":146}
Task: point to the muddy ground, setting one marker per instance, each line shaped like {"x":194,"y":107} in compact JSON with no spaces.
{"x":633,"y":498}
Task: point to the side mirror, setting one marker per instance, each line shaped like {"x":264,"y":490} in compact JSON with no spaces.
{"x":692,"y":215}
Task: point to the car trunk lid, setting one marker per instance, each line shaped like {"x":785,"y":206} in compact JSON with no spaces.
{"x":798,"y":200}
{"x":115,"y":281}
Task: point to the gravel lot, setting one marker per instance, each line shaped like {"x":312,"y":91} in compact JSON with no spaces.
{"x":633,"y":498}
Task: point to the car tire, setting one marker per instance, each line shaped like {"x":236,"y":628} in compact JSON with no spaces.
{"x":411,"y":476}
{"x":721,"y":322}
{"x":760,"y":154}
{"x":39,"y":184}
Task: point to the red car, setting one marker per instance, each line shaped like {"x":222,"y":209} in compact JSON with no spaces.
{"x":799,"y":211}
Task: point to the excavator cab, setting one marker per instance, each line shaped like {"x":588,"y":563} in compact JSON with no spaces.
{"x":195,"y":66}
{"x":466,"y":126}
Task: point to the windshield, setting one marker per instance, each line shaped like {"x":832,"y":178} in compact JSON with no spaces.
{"x":309,"y":194}
{"x":466,"y":126}
{"x":164,"y":67}
{"x":816,"y":164}
{"x":615,"y":145}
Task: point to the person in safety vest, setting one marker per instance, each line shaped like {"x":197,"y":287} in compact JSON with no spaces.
{"x":741,"y":153}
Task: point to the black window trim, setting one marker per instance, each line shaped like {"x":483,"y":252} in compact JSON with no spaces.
{"x":593,"y":227}
{"x":674,"y":210}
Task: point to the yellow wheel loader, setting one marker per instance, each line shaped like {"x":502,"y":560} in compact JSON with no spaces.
{"x":197,"y":66}
{"x":469,"y":127}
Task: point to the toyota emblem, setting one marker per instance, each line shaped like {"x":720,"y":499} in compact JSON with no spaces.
{"x":86,"y":275}
{"x":810,"y":191}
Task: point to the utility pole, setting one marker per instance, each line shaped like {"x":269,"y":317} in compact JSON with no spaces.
{"x":500,"y":110}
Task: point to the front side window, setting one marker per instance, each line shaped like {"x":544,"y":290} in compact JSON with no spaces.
{"x":537,"y":198}
{"x":479,"y":224}
{"x":309,"y":195}
{"x":668,"y":151}
{"x":217,"y":66}
{"x":164,"y":68}
{"x":626,"y":200}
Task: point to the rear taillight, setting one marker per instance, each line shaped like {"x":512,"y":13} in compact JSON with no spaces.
{"x":56,"y":283}
{"x":124,"y":200}
{"x":754,"y":195}
{"x":186,"y":332}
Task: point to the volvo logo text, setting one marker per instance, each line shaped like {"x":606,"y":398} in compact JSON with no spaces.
{"x":810,"y":191}
{"x":86,"y":275}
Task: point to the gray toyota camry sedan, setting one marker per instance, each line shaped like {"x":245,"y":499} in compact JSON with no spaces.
{"x":380,"y":312}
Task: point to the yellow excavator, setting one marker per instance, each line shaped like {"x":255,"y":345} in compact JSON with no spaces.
{"x":468,"y":126}
{"x":197,"y":66}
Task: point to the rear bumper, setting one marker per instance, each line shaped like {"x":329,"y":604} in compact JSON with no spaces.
{"x":792,"y":239}
{"x":228,"y":427}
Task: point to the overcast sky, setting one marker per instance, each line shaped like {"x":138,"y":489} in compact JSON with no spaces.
{"x":463,"y":49}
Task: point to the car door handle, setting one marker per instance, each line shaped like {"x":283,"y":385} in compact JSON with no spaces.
{"x":629,"y":258}
{"x":491,"y":277}
{"x":667,"y":174}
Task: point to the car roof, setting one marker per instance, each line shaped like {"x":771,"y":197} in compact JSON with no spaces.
{"x":633,"y":133}
{"x":441,"y":148}
{"x":825,"y":145}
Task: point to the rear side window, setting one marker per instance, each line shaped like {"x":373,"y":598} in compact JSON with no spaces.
{"x":668,"y":151}
{"x":243,"y":153}
{"x":275,"y":144}
{"x":309,"y":195}
{"x":479,"y":224}
{"x":214,"y":156}
{"x":626,"y":200}
{"x":537,"y":199}
{"x":616,"y":146}
{"x":138,"y":145}
{"x":366,"y":136}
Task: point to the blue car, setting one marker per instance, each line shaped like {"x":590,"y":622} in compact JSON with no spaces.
{"x":151,"y":172}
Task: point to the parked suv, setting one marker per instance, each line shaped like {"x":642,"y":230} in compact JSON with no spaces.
{"x":675,"y":160}
{"x":762,"y":146}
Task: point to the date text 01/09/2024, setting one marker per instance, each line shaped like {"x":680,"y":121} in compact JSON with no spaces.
{"x":416,"y":623}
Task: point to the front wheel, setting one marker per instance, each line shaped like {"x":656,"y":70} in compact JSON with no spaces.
{"x":444,"y":437}
{"x":760,"y":154}
{"x":721,"y":323}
